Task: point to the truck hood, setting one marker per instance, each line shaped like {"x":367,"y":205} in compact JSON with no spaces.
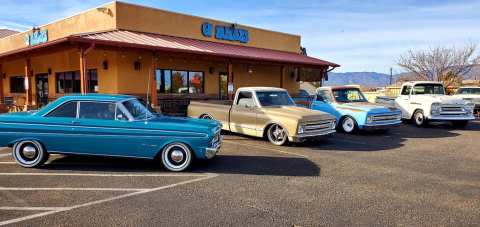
{"x":299,"y":113}
{"x":366,"y":107}
{"x":468,"y":96}
{"x":443,"y":99}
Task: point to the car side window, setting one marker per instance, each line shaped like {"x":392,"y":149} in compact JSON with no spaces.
{"x":97,"y":110}
{"x":120,"y":115}
{"x":406,"y":90}
{"x":324,"y":96}
{"x":245,"y":98}
{"x":68,"y":110}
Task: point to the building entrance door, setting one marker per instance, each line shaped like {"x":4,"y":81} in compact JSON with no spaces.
{"x":223,"y":85}
{"x":41,"y":81}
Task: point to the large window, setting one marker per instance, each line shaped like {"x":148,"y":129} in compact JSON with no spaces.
{"x":17,"y":84}
{"x":179,"y":82}
{"x":97,"y":110}
{"x":69,"y":82}
{"x":428,"y":89}
{"x":349,"y":95}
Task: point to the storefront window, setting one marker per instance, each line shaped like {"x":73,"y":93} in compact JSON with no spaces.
{"x":179,"y":82}
{"x":17,"y":84}
{"x":69,"y":82}
{"x":195,"y":80}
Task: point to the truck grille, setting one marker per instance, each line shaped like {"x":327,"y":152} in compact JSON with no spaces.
{"x":452,"y":110}
{"x":387,"y":117}
{"x":319,"y":126}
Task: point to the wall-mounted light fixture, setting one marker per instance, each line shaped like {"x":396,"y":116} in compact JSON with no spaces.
{"x":137,"y":65}
{"x":250,"y":70}
{"x":49,"y":70}
{"x":211,"y":70}
{"x":4,"y":76}
{"x":105,"y":64}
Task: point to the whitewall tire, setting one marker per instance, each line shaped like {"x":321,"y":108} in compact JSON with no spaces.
{"x":176,"y":157}
{"x":348,"y":125}
{"x":29,"y":153}
{"x":419,"y":118}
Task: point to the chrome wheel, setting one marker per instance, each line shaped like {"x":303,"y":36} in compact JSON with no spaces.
{"x":348,"y":125}
{"x":176,"y":157}
{"x":29,"y":153}
{"x":277,"y":135}
{"x":419,"y":118}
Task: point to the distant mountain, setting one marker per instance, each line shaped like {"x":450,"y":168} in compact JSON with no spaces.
{"x":365,"y":79}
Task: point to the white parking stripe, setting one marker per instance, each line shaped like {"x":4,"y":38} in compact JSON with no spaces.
{"x":104,"y":174}
{"x":33,"y":208}
{"x":62,"y":209}
{"x":70,"y":189}
{"x":266,"y":148}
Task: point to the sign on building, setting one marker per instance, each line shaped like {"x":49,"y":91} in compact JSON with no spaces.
{"x":229,"y":33}
{"x":36,"y":37}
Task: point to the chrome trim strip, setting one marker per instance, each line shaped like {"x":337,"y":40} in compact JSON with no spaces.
{"x":96,"y":127}
{"x":313,"y":134}
{"x":89,"y":154}
{"x":96,"y":135}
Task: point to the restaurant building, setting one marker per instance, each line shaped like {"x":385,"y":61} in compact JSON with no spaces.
{"x":122,"y":48}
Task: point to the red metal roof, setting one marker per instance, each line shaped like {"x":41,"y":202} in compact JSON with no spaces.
{"x":178,"y":44}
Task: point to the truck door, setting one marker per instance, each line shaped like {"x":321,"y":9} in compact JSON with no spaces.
{"x":403,"y":101}
{"x":243,"y":116}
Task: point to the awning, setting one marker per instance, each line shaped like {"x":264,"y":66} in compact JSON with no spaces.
{"x":186,"y":45}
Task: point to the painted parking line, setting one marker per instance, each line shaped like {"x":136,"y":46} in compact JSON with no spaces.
{"x":105,"y":174}
{"x":53,"y":210}
{"x":266,"y":148}
{"x":70,"y":189}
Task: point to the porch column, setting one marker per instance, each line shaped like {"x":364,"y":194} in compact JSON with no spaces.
{"x":1,"y":84}
{"x":230,"y":80}
{"x":83,"y":73}
{"x":153,"y":82}
{"x":28,"y":87}
{"x":282,"y":75}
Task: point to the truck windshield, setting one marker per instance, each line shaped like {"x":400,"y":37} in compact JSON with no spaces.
{"x":137,"y":109}
{"x":468,"y":91}
{"x":274,"y":98}
{"x":428,"y":89}
{"x":348,"y":95}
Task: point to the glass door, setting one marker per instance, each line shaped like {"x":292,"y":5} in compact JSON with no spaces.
{"x":223,"y":86}
{"x":42,"y":89}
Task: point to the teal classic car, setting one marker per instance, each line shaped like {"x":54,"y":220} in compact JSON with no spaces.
{"x":352,"y":110}
{"x":107,"y":125}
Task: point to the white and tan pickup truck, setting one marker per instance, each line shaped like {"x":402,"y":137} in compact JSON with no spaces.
{"x":266,"y":112}
{"x":424,"y":101}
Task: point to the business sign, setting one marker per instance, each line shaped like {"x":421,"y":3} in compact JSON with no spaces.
{"x":229,"y":33}
{"x":36,"y":37}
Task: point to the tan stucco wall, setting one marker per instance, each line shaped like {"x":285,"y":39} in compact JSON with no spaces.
{"x":118,"y":15}
{"x":145,"y":19}
{"x":98,"y":19}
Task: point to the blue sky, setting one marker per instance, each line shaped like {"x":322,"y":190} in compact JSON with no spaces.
{"x":359,"y":35}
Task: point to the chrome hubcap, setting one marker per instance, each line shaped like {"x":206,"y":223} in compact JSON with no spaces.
{"x":177,"y":156}
{"x":348,"y":125}
{"x":29,"y":152}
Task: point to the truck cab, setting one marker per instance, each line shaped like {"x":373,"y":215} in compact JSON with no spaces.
{"x":424,"y":101}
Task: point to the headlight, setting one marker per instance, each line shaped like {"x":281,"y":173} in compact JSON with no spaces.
{"x":435,"y":109}
{"x":369,"y":119}
{"x":301,"y":128}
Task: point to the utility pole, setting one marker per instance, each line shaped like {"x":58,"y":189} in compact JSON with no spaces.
{"x":391,"y":75}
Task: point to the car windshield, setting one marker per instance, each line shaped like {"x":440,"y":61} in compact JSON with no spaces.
{"x":428,"y":89}
{"x":137,"y":109}
{"x":468,"y":91}
{"x":274,"y":98}
{"x":348,"y":95}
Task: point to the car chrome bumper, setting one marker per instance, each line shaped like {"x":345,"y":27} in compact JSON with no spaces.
{"x":451,"y":118}
{"x":211,"y":152}
{"x":382,"y":125}
{"x":302,"y":137}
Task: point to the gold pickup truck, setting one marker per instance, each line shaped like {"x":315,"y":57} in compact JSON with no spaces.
{"x":266,"y":112}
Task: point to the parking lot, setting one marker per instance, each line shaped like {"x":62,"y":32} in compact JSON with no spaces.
{"x":408,"y":176}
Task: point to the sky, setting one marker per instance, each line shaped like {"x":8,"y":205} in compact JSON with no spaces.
{"x":361,"y":36}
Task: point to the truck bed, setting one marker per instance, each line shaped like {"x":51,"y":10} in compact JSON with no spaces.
{"x":216,"y":109}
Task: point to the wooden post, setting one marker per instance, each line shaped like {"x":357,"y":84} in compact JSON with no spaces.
{"x":230,"y":80}
{"x":1,"y":84}
{"x":28,"y":88}
{"x":282,"y":75}
{"x":153,"y":82}
{"x":82,"y":71}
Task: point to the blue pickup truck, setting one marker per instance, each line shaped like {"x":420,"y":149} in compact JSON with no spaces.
{"x":352,"y":110}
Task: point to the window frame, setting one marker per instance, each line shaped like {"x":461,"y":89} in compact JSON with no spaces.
{"x":163,"y":80}
{"x":23,"y":84}
{"x":409,"y":87}
{"x":60,"y":106}
{"x":118,"y":106}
